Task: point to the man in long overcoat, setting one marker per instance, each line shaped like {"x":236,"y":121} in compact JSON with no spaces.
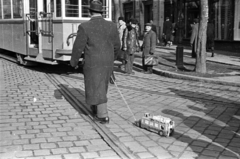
{"x":167,"y":31}
{"x":148,"y":47}
{"x":97,"y":38}
{"x":210,"y":37}
{"x":194,"y":36}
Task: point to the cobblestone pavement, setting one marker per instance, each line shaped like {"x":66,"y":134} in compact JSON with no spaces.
{"x":37,"y":122}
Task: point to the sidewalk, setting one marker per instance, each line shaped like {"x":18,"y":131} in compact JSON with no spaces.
{"x":227,"y":65}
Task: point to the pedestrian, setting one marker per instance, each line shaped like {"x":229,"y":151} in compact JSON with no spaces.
{"x":167,"y":31}
{"x":193,"y":40}
{"x":179,"y":30}
{"x":97,"y":39}
{"x":154,"y":28}
{"x":121,"y":28}
{"x":148,"y":47}
{"x":130,"y":44}
{"x":210,"y":37}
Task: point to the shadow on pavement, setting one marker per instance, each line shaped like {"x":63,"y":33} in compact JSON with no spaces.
{"x":214,"y":127}
{"x":78,"y":94}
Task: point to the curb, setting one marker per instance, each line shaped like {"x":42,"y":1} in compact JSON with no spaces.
{"x":186,"y":77}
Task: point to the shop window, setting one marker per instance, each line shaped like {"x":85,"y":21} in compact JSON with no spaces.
{"x":72,"y":8}
{"x":223,"y":19}
{"x":221,"y":13}
{"x":86,"y":4}
{"x":7,"y":9}
{"x":17,"y":8}
{"x":59,"y":9}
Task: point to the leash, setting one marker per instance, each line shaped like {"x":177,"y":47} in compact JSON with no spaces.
{"x":124,"y":99}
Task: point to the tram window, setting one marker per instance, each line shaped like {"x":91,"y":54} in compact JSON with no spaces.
{"x":59,"y":10}
{"x":17,"y":8}
{"x":7,"y":9}
{"x":85,"y":5}
{"x":72,"y":8}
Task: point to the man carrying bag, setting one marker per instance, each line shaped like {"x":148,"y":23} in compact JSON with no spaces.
{"x":148,"y":48}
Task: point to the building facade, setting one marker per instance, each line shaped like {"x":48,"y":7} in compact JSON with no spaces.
{"x":225,"y":14}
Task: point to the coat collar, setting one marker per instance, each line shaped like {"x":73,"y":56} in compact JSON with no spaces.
{"x":96,"y":17}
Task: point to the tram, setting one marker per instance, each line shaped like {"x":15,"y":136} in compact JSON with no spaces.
{"x":38,"y":30}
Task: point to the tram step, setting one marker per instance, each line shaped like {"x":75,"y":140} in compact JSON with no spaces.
{"x":40,"y":60}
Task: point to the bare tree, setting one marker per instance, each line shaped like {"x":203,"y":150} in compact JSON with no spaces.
{"x":201,"y":40}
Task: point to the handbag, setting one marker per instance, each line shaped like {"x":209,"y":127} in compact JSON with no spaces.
{"x":151,"y":60}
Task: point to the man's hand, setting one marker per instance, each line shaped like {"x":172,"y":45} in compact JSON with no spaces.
{"x":124,"y":49}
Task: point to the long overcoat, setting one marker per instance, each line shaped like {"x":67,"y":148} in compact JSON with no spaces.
{"x":99,"y":41}
{"x":194,"y":37}
{"x":167,"y":30}
{"x":210,"y":35}
{"x":149,"y":43}
{"x":130,"y":40}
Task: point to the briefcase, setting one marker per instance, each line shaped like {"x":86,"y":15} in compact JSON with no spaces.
{"x":151,"y":60}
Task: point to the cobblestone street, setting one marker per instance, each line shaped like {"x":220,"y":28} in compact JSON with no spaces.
{"x":38,"y":122}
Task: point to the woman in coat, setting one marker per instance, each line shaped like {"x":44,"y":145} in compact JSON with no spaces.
{"x":148,"y":47}
{"x":130,"y":44}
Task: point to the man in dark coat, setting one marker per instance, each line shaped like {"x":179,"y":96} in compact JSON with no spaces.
{"x":167,"y":31}
{"x":194,"y":36}
{"x":148,"y":47}
{"x":210,"y":37}
{"x":97,"y":38}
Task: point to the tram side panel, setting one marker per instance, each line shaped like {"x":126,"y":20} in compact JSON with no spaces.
{"x":12,"y":38}
{"x":19,"y":39}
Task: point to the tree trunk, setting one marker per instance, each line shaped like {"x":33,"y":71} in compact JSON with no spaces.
{"x":117,"y":9}
{"x":201,"y":42}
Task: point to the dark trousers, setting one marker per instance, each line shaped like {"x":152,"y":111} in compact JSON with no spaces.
{"x":194,"y":54}
{"x":129,"y":64}
{"x":102,"y":111}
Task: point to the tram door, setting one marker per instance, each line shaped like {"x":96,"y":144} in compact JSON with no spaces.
{"x":40,"y":28}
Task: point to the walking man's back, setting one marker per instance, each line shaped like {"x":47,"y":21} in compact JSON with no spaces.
{"x":97,"y":39}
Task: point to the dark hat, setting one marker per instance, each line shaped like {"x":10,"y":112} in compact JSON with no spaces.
{"x":96,"y":6}
{"x":120,"y":18}
{"x":133,"y":21}
{"x":148,"y":24}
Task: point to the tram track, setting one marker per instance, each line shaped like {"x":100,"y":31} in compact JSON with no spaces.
{"x":138,"y":89}
{"x":120,"y":149}
{"x":104,"y":132}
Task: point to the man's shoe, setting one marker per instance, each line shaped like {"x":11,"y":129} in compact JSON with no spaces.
{"x":104,"y":120}
{"x":94,"y":109}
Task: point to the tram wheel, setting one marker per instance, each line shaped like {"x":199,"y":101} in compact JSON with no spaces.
{"x":160,"y":133}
